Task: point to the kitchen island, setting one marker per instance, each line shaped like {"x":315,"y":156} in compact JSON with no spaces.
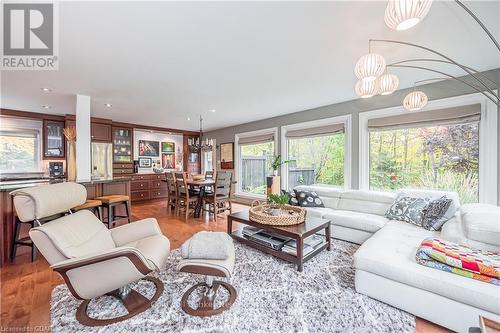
{"x":96,"y":188}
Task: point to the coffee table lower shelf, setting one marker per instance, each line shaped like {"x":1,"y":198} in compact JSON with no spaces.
{"x":299,"y":233}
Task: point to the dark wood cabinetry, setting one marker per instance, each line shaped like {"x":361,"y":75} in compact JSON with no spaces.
{"x":191,"y":158}
{"x":147,"y":186}
{"x":54,"y":142}
{"x":123,"y":145}
{"x":100,"y":132}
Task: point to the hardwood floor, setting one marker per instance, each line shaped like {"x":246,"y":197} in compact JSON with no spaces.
{"x":26,"y":286}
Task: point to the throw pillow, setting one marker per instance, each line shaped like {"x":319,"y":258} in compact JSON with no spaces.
{"x":292,"y":197}
{"x":308,"y":199}
{"x":407,"y":209}
{"x":434,"y":214}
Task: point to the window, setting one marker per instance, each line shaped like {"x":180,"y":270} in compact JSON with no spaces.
{"x":207,"y":161}
{"x":316,"y":160}
{"x":19,"y":151}
{"x":451,"y":145}
{"x":436,"y":157}
{"x":318,"y":151}
{"x":255,"y":152}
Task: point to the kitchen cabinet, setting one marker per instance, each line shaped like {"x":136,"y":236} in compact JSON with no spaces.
{"x":100,"y":132}
{"x":148,"y":186}
{"x":123,"y":139}
{"x":54,"y":142}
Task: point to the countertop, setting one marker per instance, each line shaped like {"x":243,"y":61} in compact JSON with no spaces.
{"x":11,"y":185}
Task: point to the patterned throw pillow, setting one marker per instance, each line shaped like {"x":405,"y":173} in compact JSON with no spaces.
{"x":407,"y":209}
{"x":292,"y":197}
{"x":434,"y":214}
{"x":308,"y":199}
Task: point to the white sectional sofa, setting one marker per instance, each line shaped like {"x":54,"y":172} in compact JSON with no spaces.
{"x":385,"y":263}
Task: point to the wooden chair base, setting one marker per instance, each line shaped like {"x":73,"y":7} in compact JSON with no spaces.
{"x":206,"y":305}
{"x":133,"y":301}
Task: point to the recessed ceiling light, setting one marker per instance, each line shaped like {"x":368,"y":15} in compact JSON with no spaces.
{"x":213,"y":110}
{"x":188,"y":118}
{"x":46,"y":106}
{"x":108,"y":105}
{"x":46,"y":89}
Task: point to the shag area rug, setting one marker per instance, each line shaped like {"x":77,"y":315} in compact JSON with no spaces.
{"x":272,"y":297}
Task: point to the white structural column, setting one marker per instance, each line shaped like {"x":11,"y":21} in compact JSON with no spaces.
{"x":82,"y":138}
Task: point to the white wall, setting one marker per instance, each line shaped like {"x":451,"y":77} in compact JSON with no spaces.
{"x":160,"y":137}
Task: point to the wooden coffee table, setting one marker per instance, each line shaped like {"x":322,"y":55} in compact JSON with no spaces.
{"x":298,"y":232}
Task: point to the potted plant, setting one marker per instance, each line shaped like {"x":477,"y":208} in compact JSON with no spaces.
{"x":277,"y":201}
{"x":277,"y":162}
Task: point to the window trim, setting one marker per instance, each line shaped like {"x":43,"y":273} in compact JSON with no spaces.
{"x":237,"y":167}
{"x":344,"y":119}
{"x":487,"y":140}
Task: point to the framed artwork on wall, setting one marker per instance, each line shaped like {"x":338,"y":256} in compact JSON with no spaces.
{"x":145,"y":162}
{"x":227,"y":155}
{"x":168,"y":147}
{"x":149,"y":148}
{"x":168,"y":161}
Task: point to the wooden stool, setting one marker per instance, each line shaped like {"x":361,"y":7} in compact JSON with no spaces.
{"x":91,"y":204}
{"x":25,"y":241}
{"x":110,"y":202}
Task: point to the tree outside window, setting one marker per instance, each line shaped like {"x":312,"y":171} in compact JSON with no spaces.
{"x":437,"y":157}
{"x":317,"y":160}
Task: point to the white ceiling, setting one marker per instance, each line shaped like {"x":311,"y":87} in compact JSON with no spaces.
{"x":161,"y":62}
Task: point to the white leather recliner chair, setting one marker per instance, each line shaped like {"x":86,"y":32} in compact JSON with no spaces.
{"x":92,"y":259}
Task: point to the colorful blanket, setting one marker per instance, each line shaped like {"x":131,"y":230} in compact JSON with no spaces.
{"x":450,"y":257}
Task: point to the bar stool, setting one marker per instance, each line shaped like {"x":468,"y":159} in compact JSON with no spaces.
{"x":91,"y":204}
{"x":110,"y":202}
{"x":25,"y":241}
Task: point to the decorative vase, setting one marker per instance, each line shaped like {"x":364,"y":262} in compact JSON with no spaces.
{"x":275,"y":172}
{"x":71,"y":167}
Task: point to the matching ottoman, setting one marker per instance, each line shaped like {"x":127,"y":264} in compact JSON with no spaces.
{"x":210,"y":254}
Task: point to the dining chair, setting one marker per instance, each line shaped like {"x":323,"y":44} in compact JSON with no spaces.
{"x":172,"y":190}
{"x":184,"y":197}
{"x":220,"y":199}
{"x":209,"y":175}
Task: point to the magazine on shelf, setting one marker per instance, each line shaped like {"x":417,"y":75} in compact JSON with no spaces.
{"x":311,"y":243}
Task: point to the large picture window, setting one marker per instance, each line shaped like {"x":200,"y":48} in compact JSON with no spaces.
{"x":316,"y":160}
{"x":431,"y":150}
{"x":255,"y":166}
{"x":254,"y":155}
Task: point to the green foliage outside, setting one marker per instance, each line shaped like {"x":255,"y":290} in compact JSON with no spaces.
{"x":17,"y":154}
{"x":254,"y":180}
{"x":322,"y":155}
{"x":439,"y":157}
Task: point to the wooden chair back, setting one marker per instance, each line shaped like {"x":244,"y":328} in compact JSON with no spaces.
{"x":172,"y":188}
{"x":209,"y":174}
{"x":223,"y":183}
{"x":181,"y":183}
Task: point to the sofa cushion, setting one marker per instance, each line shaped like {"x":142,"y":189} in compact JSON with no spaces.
{"x":481,"y":222}
{"x":436,"y":194}
{"x":308,"y":199}
{"x":292,"y":197}
{"x":329,"y":195}
{"x":370,"y":202}
{"x":407,"y":209}
{"x":318,"y":212}
{"x":390,"y":253}
{"x":356,"y":220}
{"x":434,"y":215}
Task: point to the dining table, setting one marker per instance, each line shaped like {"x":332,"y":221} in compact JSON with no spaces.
{"x":201,"y":184}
